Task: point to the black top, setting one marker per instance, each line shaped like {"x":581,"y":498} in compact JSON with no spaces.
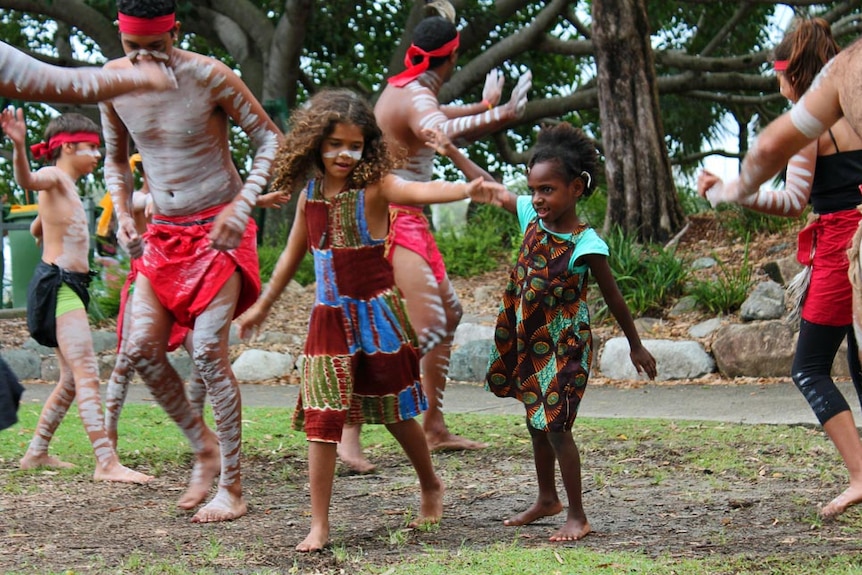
{"x":837,"y":178}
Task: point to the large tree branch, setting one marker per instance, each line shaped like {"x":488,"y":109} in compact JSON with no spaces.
{"x":286,"y":48}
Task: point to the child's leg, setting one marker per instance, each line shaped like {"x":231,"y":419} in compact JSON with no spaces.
{"x":350,"y":450}
{"x":567,"y":454}
{"x":76,"y":347}
{"x":412,"y":439}
{"x":197,"y":389}
{"x":321,"y":474}
{"x":547,"y":502}
{"x":53,"y":411}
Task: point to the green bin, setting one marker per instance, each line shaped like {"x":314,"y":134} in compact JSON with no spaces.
{"x":24,"y":252}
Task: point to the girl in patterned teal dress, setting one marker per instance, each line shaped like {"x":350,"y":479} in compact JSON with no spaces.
{"x":543,"y":344}
{"x":361,"y":362}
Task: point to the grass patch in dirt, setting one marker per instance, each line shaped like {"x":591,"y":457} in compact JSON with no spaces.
{"x":663,"y":497}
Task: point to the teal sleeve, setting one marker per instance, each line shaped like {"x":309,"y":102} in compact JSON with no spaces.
{"x":589,"y":243}
{"x":526,"y":213}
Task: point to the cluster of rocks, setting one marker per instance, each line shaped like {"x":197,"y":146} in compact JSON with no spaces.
{"x":758,"y":343}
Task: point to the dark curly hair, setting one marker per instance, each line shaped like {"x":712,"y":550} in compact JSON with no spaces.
{"x":571,"y":149}
{"x":432,"y":33}
{"x":806,"y":48}
{"x":70,"y":123}
{"x":147,"y":8}
{"x":298,"y":157}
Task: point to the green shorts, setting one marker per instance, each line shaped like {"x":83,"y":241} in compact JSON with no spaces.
{"x":67,"y":300}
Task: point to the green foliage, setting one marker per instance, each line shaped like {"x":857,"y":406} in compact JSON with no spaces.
{"x":483,"y":245}
{"x":742,"y":221}
{"x":725,"y":292}
{"x":649,"y":276}
{"x":268,"y":256}
{"x":105,"y":290}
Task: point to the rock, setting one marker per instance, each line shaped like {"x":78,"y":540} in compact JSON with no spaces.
{"x":685,"y":304}
{"x":104,"y":341}
{"x":469,"y":362}
{"x":674,"y":359}
{"x":25,"y":363}
{"x":647,"y":325}
{"x":765,"y":302}
{"x":703,"y":263}
{"x":758,"y":349}
{"x":472,"y":331}
{"x":704,"y":328}
{"x":257,"y":365}
{"x":783,"y":271}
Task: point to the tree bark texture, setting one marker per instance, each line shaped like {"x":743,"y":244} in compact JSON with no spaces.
{"x":642,"y":197}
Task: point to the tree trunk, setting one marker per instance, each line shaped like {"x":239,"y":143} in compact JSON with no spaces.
{"x":642,"y":198}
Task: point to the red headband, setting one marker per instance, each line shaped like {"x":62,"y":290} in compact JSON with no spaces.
{"x":413,"y":71}
{"x":780,"y":65}
{"x":43,"y":150}
{"x":146,"y":26}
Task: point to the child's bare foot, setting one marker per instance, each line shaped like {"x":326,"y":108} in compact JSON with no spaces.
{"x":34,"y":460}
{"x":851,"y":496}
{"x":446,"y":441}
{"x":225,"y":506}
{"x":354,"y":459}
{"x":206,"y":469}
{"x":536,"y":511}
{"x":431,"y":507}
{"x":120,"y":474}
{"x":572,"y":531}
{"x":316,"y":540}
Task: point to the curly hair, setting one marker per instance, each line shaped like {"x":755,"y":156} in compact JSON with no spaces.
{"x":571,"y":149}
{"x":146,"y":8}
{"x":71,"y":123}
{"x":298,"y":157}
{"x":806,"y":48}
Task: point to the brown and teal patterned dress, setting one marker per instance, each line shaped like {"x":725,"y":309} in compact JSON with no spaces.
{"x":543,"y":343}
{"x":361,"y":363}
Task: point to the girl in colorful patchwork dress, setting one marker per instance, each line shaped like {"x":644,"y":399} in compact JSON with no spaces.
{"x":361,"y":361}
{"x":542,"y":343}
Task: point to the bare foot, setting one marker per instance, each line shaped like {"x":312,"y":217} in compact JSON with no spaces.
{"x":119,"y":473}
{"x":851,"y":496}
{"x":572,"y":531}
{"x":450,"y":442}
{"x":206,"y":469}
{"x":316,"y":540}
{"x":537,"y":511}
{"x":224,"y":507}
{"x":34,"y":460}
{"x":431,"y":507}
{"x":355,"y":462}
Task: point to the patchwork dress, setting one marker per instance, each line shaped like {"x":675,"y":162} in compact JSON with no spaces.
{"x":361,"y":361}
{"x":542,"y":342}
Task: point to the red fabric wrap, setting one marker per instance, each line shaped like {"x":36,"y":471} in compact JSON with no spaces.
{"x":186,"y":273}
{"x":178,"y":332}
{"x":413,"y":71}
{"x":823,"y":245}
{"x":146,"y":26}
{"x":44,"y":149}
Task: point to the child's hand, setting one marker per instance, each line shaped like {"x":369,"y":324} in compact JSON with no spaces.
{"x":717,"y":191}
{"x":12,"y":122}
{"x":272,"y":200}
{"x":486,"y":192}
{"x":437,"y":140}
{"x":643,"y":361}
{"x":705,"y":181}
{"x":518,"y":102}
{"x":493,"y":90}
{"x":250,"y":321}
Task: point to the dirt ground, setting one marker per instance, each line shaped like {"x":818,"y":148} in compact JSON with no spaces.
{"x":640,"y":496}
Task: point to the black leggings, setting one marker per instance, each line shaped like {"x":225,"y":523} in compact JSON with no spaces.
{"x":812,"y":367}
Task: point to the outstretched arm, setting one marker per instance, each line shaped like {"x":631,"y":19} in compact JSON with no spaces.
{"x":790,"y":201}
{"x":118,"y":179}
{"x":26,"y":78}
{"x":642,"y":359}
{"x":12,"y":123}
{"x":492,"y":93}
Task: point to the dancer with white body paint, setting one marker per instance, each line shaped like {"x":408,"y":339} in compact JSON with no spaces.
{"x":407,"y":107}
{"x":198,"y":263}
{"x":118,"y":383}
{"x":361,"y":360}
{"x":825,"y":173}
{"x":57,"y":297}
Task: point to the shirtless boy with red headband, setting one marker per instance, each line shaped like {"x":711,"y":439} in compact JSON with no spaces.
{"x":407,"y":107}
{"x":198,"y":263}
{"x":57,"y":296}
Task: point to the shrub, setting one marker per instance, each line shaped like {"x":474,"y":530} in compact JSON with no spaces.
{"x":726,"y":292}
{"x":105,"y":290}
{"x":482,"y":245}
{"x":649,"y":276}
